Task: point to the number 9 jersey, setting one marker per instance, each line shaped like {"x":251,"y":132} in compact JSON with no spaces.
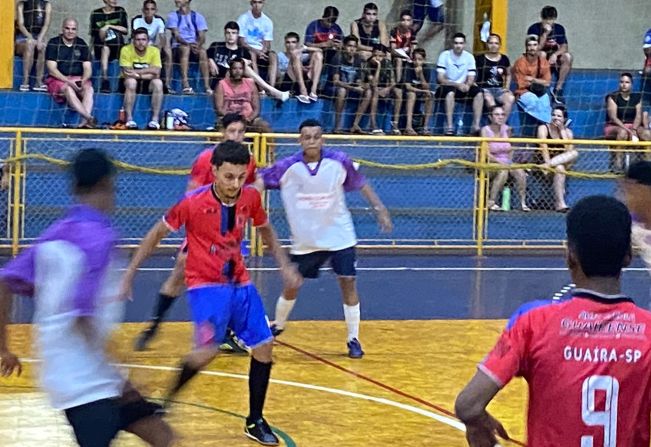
{"x":587,"y":362}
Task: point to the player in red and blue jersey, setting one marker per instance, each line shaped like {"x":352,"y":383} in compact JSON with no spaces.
{"x":220,"y":291}
{"x":587,"y":360}
{"x":233,"y":128}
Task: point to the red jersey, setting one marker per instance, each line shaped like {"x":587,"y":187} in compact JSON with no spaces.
{"x":403,"y":40}
{"x":587,"y":362}
{"x":214,"y":232}
{"x":201,"y":173}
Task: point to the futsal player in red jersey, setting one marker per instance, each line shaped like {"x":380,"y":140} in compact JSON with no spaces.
{"x":220,"y":291}
{"x":587,"y":360}
{"x":233,"y":128}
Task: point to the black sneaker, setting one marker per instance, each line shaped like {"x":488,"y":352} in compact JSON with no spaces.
{"x":261,"y":432}
{"x":275,"y":330}
{"x":145,"y":337}
{"x":105,"y":86}
{"x":232,"y":345}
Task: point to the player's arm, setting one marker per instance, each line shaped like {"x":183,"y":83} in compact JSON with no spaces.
{"x":146,"y":248}
{"x":470,"y":408}
{"x":8,"y":361}
{"x":382,"y":214}
{"x":291,"y":278}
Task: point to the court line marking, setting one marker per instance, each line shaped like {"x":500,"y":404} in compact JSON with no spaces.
{"x":418,"y":269}
{"x":380,"y":400}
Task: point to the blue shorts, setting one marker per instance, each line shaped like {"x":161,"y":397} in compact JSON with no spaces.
{"x":216,"y":307}
{"x":342,"y":262}
{"x":424,"y":8}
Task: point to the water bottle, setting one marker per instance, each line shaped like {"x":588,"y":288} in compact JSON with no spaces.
{"x":122,"y":115}
{"x":460,"y":126}
{"x":169,"y":120}
{"x":506,"y":199}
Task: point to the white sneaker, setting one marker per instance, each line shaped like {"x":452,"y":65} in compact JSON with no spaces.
{"x":284,"y":96}
{"x":131,"y":124}
{"x":153,"y":125}
{"x":304,"y":99}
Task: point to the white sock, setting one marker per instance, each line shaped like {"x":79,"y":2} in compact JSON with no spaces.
{"x":283,"y":309}
{"x":352,"y":316}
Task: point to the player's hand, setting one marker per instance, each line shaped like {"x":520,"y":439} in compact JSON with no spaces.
{"x":384,"y":220}
{"x":483,"y":431}
{"x":9,"y":363}
{"x":292,"y":279}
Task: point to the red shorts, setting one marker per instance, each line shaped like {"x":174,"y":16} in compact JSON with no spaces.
{"x":55,"y":87}
{"x":612,"y":129}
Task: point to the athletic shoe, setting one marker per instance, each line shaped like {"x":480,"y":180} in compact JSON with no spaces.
{"x":284,"y":96}
{"x":275,"y":330}
{"x":145,"y":337}
{"x":232,"y":345}
{"x":355,"y":349}
{"x":261,"y":432}
{"x":153,"y":125}
{"x":40,"y":88}
{"x":131,"y":125}
{"x":304,"y":99}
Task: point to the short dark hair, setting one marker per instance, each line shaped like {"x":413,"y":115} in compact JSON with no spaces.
{"x":459,"y":35}
{"x":232,"y":25}
{"x":599,"y":234}
{"x":231,"y":118}
{"x":330,"y":11}
{"x":499,"y":38}
{"x":350,"y":38}
{"x":149,"y":2}
{"x":293,"y":34}
{"x":379,"y":47}
{"x":548,"y":12}
{"x":88,"y":168}
{"x":140,"y":30}
{"x":310,"y":123}
{"x":406,"y":12}
{"x":236,"y":60}
{"x":420,"y":51}
{"x":370,"y":7}
{"x":640,"y":172}
{"x":627,"y":74}
{"x":230,"y":152}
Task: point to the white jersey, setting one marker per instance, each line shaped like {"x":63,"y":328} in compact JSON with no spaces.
{"x":256,"y":30}
{"x":156,"y":27}
{"x":314,"y":196}
{"x":456,"y":68}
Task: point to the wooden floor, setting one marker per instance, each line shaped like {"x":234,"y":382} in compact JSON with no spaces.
{"x":398,"y":394}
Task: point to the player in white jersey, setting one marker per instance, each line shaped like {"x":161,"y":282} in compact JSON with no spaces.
{"x":313,"y":184}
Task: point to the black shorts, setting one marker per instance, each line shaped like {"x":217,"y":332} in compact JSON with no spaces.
{"x":97,"y":423}
{"x":342,"y":262}
{"x":113,"y":55}
{"x":288,"y":85}
{"x":141,"y":89}
{"x":443,"y":90}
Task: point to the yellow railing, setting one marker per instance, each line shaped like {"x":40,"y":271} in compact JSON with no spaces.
{"x":464,"y":158}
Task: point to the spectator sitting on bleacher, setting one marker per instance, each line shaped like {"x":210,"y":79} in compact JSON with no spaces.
{"x":237,"y":94}
{"x":501,"y":152}
{"x":221,"y":53}
{"x":456,"y":73}
{"x":624,"y":118}
{"x":533,"y":76}
{"x":256,"y":35}
{"x":381,"y":78}
{"x":155,"y":26}
{"x":494,"y":75}
{"x":552,"y":44}
{"x":108,"y":25}
{"x":300,"y":69}
{"x":558,"y":156}
{"x":417,"y":85}
{"x":69,"y":71}
{"x":403,"y":41}
{"x":188,"y":38}
{"x":369,"y":30}
{"x":346,"y":80}
{"x":141,"y":66}
{"x":325,"y":34}
{"x":32,"y":23}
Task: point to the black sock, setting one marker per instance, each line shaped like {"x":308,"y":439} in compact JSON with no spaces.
{"x":187,"y":373}
{"x":258,"y":382}
{"x":162,"y":307}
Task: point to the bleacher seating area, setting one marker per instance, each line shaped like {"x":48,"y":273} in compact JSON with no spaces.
{"x":585,"y":92}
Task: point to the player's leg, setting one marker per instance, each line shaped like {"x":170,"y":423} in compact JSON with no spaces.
{"x":143,"y":418}
{"x":343,"y":264}
{"x":169,"y":292}
{"x":249,"y":322}
{"x":308,"y":266}
{"x":95,"y":424}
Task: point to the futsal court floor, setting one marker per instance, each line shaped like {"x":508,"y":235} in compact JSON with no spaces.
{"x":427,"y":321}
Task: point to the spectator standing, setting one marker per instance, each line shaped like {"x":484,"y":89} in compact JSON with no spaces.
{"x":256,"y":35}
{"x":325,"y":34}
{"x":108,"y":26}
{"x":432,"y":9}
{"x":188,"y":39}
{"x":32,"y":24}
{"x":553,"y":46}
{"x":141,"y":67}
{"x":369,"y":30}
{"x":494,"y":75}
{"x":69,"y":68}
